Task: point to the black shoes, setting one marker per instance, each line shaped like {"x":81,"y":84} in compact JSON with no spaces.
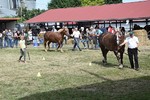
{"x":137,"y":69}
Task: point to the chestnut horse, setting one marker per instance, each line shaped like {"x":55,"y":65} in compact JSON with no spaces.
{"x":110,"y":42}
{"x":55,"y":37}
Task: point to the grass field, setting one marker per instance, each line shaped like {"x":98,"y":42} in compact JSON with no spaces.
{"x":68,"y":76}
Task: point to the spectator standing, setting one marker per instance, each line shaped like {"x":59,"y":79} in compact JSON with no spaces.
{"x":76,"y":35}
{"x":10,"y":38}
{"x":84,"y":38}
{"x":5,"y":43}
{"x":16,"y":38}
{"x":1,"y":40}
{"x":30,"y":38}
{"x":110,"y":29}
{"x":122,"y":29}
{"x":35,"y":37}
{"x":41,"y":36}
{"x":97,"y":34}
{"x":91,"y":36}
{"x":103,"y":29}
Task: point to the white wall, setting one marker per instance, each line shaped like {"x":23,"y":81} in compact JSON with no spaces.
{"x":30,"y":4}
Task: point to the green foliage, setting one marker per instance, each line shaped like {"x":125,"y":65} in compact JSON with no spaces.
{"x":92,"y":2}
{"x":63,"y":4}
{"x":77,"y":3}
{"x":112,"y":1}
{"x":25,"y":14}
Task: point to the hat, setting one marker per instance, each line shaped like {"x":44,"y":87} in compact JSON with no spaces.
{"x":131,"y":33}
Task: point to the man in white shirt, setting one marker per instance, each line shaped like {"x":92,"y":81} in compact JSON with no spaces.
{"x":76,"y":34}
{"x":132,"y":42}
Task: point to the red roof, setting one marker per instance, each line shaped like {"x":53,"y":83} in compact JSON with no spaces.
{"x":134,"y":10}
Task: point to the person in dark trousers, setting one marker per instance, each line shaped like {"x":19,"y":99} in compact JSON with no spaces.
{"x":1,"y":40}
{"x":132,"y":42}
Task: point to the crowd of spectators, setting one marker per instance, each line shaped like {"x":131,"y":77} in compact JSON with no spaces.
{"x":88,"y":36}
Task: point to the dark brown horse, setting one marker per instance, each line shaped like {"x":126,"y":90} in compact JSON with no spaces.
{"x":55,"y":37}
{"x":108,"y":42}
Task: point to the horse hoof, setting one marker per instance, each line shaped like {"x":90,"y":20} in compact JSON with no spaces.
{"x":61,"y":51}
{"x":120,"y":66}
{"x":104,"y":61}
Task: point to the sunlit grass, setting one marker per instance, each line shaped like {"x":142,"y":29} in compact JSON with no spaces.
{"x":68,"y":75}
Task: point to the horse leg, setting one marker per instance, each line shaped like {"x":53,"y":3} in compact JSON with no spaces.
{"x":104,"y":52}
{"x":49,"y":45}
{"x":58,"y":47}
{"x":61,"y":47}
{"x":118,"y":58}
{"x":121,"y":58}
{"x":45,"y":42}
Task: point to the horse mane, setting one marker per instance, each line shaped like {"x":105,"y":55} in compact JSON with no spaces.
{"x":60,"y":30}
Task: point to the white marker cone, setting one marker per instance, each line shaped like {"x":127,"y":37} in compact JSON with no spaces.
{"x":43,"y":58}
{"x":39,"y":74}
{"x":90,"y":64}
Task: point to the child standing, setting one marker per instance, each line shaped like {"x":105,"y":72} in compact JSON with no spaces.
{"x":22,"y":46}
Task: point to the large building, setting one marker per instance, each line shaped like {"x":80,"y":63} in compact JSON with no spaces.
{"x":9,"y":7}
{"x":117,"y":15}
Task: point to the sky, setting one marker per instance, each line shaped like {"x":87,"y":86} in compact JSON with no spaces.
{"x":42,"y":4}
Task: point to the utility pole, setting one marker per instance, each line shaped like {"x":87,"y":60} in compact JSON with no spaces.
{"x":21,"y":7}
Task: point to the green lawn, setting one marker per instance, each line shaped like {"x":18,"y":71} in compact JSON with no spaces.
{"x":68,"y":76}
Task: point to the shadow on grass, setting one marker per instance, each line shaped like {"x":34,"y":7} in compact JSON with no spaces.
{"x":128,"y":89}
{"x":105,"y":65}
{"x":52,"y":50}
{"x":96,"y":75}
{"x":108,"y":65}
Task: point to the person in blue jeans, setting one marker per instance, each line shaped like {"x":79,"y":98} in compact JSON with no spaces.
{"x":9,"y":38}
{"x":5,"y":37}
{"x":76,"y":35}
{"x":97,"y":34}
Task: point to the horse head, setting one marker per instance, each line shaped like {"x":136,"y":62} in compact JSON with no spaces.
{"x":121,"y":40}
{"x":64,"y":31}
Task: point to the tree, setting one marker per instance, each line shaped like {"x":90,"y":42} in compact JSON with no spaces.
{"x":63,"y":4}
{"x":112,"y":1}
{"x":92,"y":2}
{"x":25,"y":14}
